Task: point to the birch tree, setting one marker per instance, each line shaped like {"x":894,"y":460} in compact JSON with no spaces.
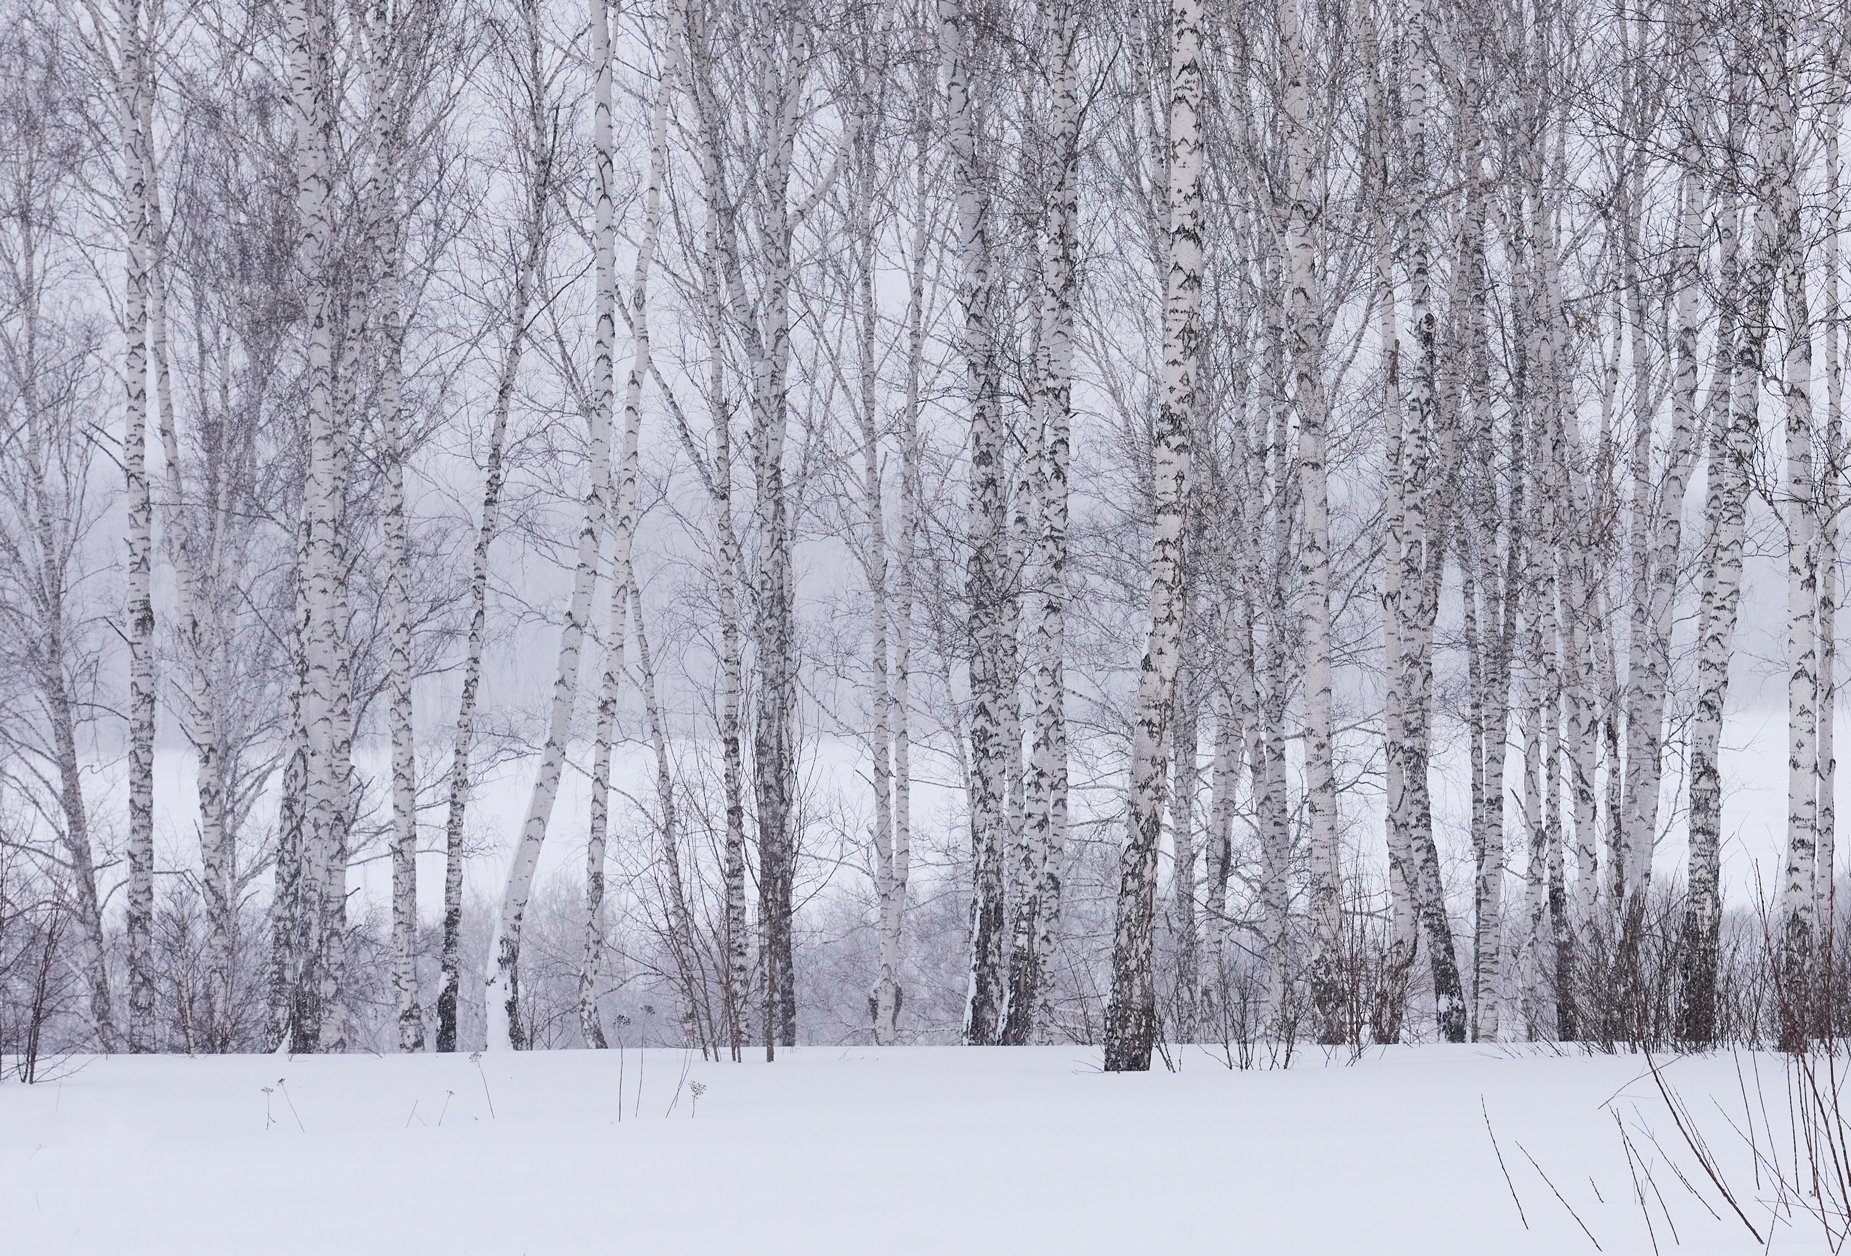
{"x":624,"y":517}
{"x":985,"y":525}
{"x":1798,"y":513}
{"x":503,"y":999}
{"x":1734,"y":433}
{"x":537,"y":159}
{"x":1044,"y":803}
{"x":1131,"y":1015}
{"x":48,"y":384}
{"x":1423,"y":458}
{"x":1302,"y":314}
{"x":127,"y":60}
{"x":324,"y":774}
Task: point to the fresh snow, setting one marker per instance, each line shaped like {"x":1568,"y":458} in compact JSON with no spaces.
{"x":870,"y":1151}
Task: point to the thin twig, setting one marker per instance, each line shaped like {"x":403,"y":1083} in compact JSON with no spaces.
{"x":1505,"y":1169}
{"x":1558,"y":1195}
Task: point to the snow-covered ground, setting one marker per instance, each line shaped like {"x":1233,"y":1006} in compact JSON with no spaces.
{"x":860,"y":1150}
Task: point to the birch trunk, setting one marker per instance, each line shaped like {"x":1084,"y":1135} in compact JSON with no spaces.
{"x":1656,"y":586}
{"x":1422,"y":562}
{"x":884,"y":1000}
{"x":1224,"y":783}
{"x":525,"y":281}
{"x":132,"y":90}
{"x":1645,"y":677}
{"x":1131,"y":1014}
{"x":728,"y":574}
{"x":288,"y":917}
{"x":88,"y":906}
{"x":985,"y":534}
{"x":1303,"y":312}
{"x":1274,"y":668}
{"x":331,"y":954}
{"x":591,"y":955}
{"x":681,"y":938}
{"x":628,"y":466}
{"x":1798,"y":513}
{"x":1831,"y":501}
{"x":1496,"y":584}
{"x":774,"y":749}
{"x":1479,"y":574}
{"x":1558,"y":640}
{"x":386,"y":232}
{"x":399,"y":709}
{"x":307,"y":27}
{"x":1732,"y":447}
{"x":43,"y":558}
{"x":1183,"y":893}
{"x":216,"y":855}
{"x":504,"y":1027}
{"x":1032,"y":929}
{"x":890,"y":993}
{"x":1403,"y":926}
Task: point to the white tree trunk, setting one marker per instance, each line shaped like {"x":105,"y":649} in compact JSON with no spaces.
{"x":682,"y":944}
{"x":774,"y":748}
{"x":503,"y":986}
{"x":132,"y":89}
{"x":884,"y":1001}
{"x":1732,"y":447}
{"x":40,"y":439}
{"x":1831,"y":501}
{"x":1131,"y":1014}
{"x":1304,"y":340}
{"x":985,"y":531}
{"x":728,"y":572}
{"x":1403,"y":926}
{"x":628,"y":467}
{"x":1043,"y":802}
{"x":323,"y":806}
{"x":1798,"y":512}
{"x":399,"y":709}
{"x":1422,"y":467}
{"x":524,"y":284}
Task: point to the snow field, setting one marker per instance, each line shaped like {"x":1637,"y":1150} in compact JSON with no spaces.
{"x":854,"y":1150}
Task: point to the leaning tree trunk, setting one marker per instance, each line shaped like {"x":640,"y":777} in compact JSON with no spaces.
{"x":62,"y":710}
{"x":679,"y":916}
{"x":519,"y":303}
{"x":503,"y":985}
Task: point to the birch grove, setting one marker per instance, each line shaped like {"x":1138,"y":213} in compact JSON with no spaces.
{"x":1124,"y":522}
